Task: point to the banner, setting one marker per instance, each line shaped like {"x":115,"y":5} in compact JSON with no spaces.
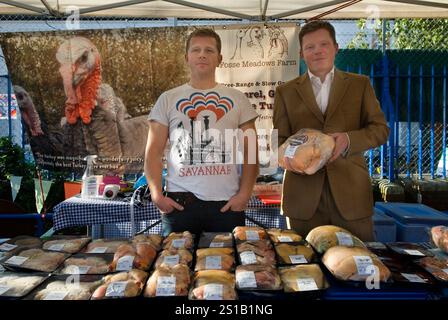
{"x":15,"y":186}
{"x":41,"y":193}
{"x":256,"y":59}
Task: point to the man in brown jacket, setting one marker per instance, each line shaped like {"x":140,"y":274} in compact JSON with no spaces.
{"x":344,"y":106}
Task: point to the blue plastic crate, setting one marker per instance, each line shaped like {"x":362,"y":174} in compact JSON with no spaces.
{"x":413,"y":220}
{"x":384,"y":227}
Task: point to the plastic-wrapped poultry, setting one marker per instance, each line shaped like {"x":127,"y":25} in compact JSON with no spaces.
{"x":306,"y":151}
{"x":294,"y":253}
{"x":66,"y":245}
{"x":257,"y":277}
{"x":439,"y":235}
{"x":279,"y":235}
{"x":243,"y":233}
{"x":168,"y":281}
{"x":19,"y":284}
{"x":123,"y":284}
{"x":213,"y":285}
{"x":133,"y":256}
{"x":306,"y":277}
{"x":215,"y":240}
{"x":324,"y":237}
{"x":256,"y":252}
{"x":214,"y":259}
{"x":104,"y":246}
{"x":38,"y":259}
{"x":180,"y":240}
{"x":63,"y":290}
{"x":86,"y":264}
{"x":174,"y":256}
{"x":154,"y":239}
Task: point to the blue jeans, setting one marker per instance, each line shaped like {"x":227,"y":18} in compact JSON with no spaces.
{"x":200,"y":216}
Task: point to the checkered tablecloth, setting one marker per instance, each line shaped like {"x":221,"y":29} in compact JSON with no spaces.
{"x":110,"y":218}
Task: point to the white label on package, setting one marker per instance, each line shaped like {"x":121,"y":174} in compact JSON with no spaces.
{"x":307,"y":284}
{"x":116,"y":289}
{"x":166,"y":286}
{"x":16,"y":260}
{"x":217,"y":245}
{"x":445,"y":270}
{"x":56,"y":247}
{"x":248,"y":257}
{"x":7,"y":247}
{"x":56,"y":295}
{"x":246,"y":279}
{"x":290,"y":151}
{"x":413,"y":277}
{"x":178,"y":243}
{"x":213,"y":263}
{"x":252,"y":235}
{"x":98,"y":250}
{"x":171,"y":260}
{"x":78,"y":269}
{"x":213,"y":291}
{"x":284,"y":239}
{"x":4,"y":239}
{"x":414,"y":252}
{"x":2,"y":269}
{"x":344,"y":239}
{"x":362,"y":264}
{"x":125,"y":263}
{"x":297,"y":259}
{"x":3,"y":289}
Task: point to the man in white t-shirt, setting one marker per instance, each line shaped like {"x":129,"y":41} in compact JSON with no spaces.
{"x":210,"y":176}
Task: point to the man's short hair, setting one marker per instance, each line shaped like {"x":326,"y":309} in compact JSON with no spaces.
{"x":204,"y":32}
{"x":316,"y":25}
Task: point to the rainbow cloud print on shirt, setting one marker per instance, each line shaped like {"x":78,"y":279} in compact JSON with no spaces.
{"x":210,"y":101}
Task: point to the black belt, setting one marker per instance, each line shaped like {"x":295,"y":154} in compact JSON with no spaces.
{"x":182,"y":198}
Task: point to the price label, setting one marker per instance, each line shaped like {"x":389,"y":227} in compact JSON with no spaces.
{"x":213,"y":291}
{"x":290,"y":151}
{"x":98,"y":250}
{"x":78,"y":269}
{"x":171,"y":260}
{"x":7,"y":247}
{"x":56,"y":295}
{"x":217,"y":245}
{"x":445,"y":270}
{"x":56,"y":247}
{"x":362,"y":264}
{"x":246,"y":279}
{"x":344,"y":239}
{"x":16,"y":260}
{"x":413,"y":277}
{"x":166,"y":286}
{"x":252,"y":235}
{"x":178,"y":243}
{"x":213,"y":263}
{"x":116,"y":289}
{"x":125,"y":263}
{"x":284,"y":239}
{"x":307,"y":284}
{"x":4,"y":289}
{"x":297,"y":259}
{"x":248,"y":257}
{"x":414,"y":252}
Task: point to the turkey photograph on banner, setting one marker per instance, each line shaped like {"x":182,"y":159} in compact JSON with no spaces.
{"x":256,"y":59}
{"x":89,"y":92}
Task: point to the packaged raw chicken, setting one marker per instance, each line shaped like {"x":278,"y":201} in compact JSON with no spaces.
{"x":439,"y":236}
{"x":256,"y":252}
{"x":174,"y":256}
{"x":87,"y":264}
{"x":282,"y":235}
{"x":294,"y":253}
{"x":65,"y":244}
{"x":307,"y":277}
{"x":105,"y":245}
{"x":121,"y":285}
{"x":213,"y":285}
{"x":215,"y":240}
{"x":257,"y":277}
{"x":215,"y":259}
{"x":324,"y":237}
{"x":65,"y":288}
{"x":16,"y":285}
{"x":154,"y":239}
{"x":140,"y":256}
{"x":180,"y":240}
{"x":244,"y":233}
{"x":35,"y":259}
{"x":168,"y":281}
{"x":306,"y":152}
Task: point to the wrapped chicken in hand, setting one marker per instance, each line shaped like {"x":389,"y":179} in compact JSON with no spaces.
{"x":306,"y":152}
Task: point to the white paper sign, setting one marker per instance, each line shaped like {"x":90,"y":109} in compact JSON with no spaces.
{"x":116,"y":289}
{"x":98,"y":250}
{"x":413,"y":277}
{"x":248,"y":257}
{"x":7,"y":247}
{"x":213,"y":263}
{"x":166,"y":286}
{"x":252,"y":235}
{"x":171,"y":260}
{"x":56,"y":247}
{"x":125,"y":263}
{"x":297,"y":259}
{"x":217,"y":245}
{"x":307,"y":284}
{"x":213,"y":291}
{"x":344,"y":239}
{"x":414,"y":252}
{"x":16,"y":260}
{"x":178,"y":243}
{"x":56,"y":295}
{"x":284,"y":239}
{"x":246,"y":279}
{"x":362,"y":264}
{"x":4,"y":289}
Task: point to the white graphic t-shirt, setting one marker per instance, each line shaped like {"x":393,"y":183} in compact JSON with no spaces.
{"x":202,"y":155}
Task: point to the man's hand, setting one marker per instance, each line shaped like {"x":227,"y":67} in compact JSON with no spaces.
{"x":237,"y":203}
{"x":165,"y":204}
{"x":341,"y":144}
